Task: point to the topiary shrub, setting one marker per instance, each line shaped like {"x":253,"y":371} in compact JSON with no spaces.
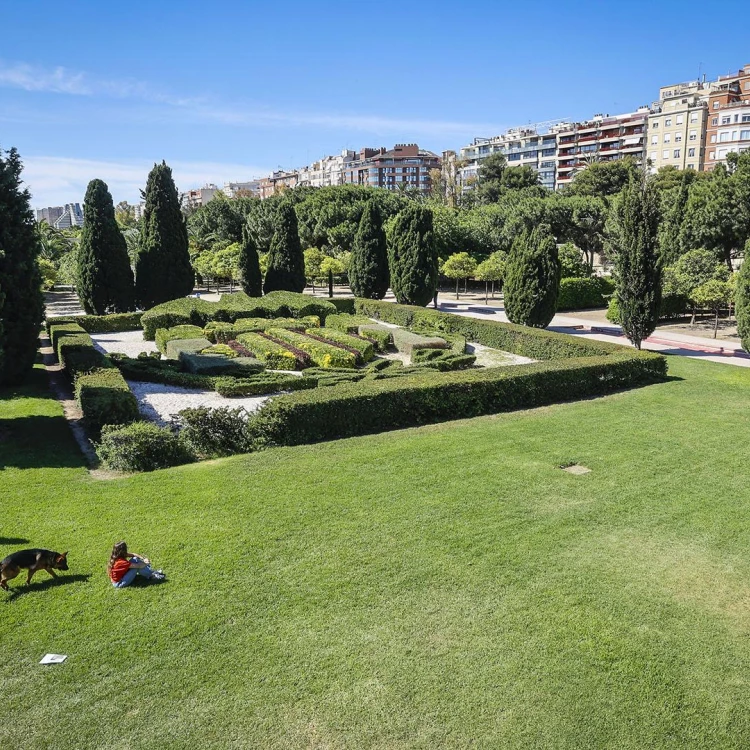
{"x":343,"y":304}
{"x":321,"y":353}
{"x":165,"y":335}
{"x":211,"y":433}
{"x":141,"y":446}
{"x":105,"y":398}
{"x":115,"y":323}
{"x":407,"y":341}
{"x":580,"y":293}
{"x":177,"y":347}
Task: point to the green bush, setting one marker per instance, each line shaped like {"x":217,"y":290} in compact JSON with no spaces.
{"x":302,"y":305}
{"x":347,"y":323}
{"x":75,"y":349}
{"x":223,"y":332}
{"x":177,"y":347}
{"x":211,"y":433}
{"x":105,"y":398}
{"x":207,"y":364}
{"x":579,"y":294}
{"x":116,"y":323}
{"x":407,"y":341}
{"x":260,"y":385}
{"x":168,"y":372}
{"x":343,"y":305}
{"x":672,"y":306}
{"x":274,"y":355}
{"x":165,"y":335}
{"x":364,"y":347}
{"x":177,"y":312}
{"x":141,"y":446}
{"x":381,"y":335}
{"x":323,"y":355}
{"x":427,"y":397}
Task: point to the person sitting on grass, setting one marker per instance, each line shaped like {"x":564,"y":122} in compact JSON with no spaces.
{"x":124,"y":567}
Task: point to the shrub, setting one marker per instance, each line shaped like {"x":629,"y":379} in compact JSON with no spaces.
{"x":579,"y":293}
{"x":165,"y":335}
{"x":210,"y":433}
{"x":105,"y":398}
{"x":407,"y":341}
{"x":75,"y":349}
{"x":167,"y":372}
{"x":427,"y":397}
{"x":347,"y":323}
{"x":141,"y":446}
{"x":205,"y":364}
{"x":322,"y":354}
{"x":343,"y":305}
{"x":116,"y":323}
{"x":221,"y":349}
{"x":301,"y":305}
{"x":225,"y":332}
{"x":272,"y":353}
{"x":183,"y":311}
{"x":177,"y":347}
{"x":362,"y":346}
{"x":260,"y":385}
{"x":381,"y":336}
{"x":672,"y":306}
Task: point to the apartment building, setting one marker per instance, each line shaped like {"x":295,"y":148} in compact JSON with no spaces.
{"x":603,"y":138}
{"x":676,"y":134}
{"x":404,"y":166}
{"x":237,"y":189}
{"x":50,"y":214}
{"x":534,"y":146}
{"x":199,"y":196}
{"x":728,"y":126}
{"x":71,"y":216}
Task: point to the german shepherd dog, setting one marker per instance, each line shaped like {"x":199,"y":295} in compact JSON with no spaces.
{"x":33,"y":559}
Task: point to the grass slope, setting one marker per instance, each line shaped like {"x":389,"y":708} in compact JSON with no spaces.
{"x":439,"y":587}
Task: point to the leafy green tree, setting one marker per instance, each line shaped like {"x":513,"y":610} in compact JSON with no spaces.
{"x":412,"y":259}
{"x":48,"y":272}
{"x":584,"y":224}
{"x":459,"y":266}
{"x":105,"y":279}
{"x":313,"y":259}
{"x":692,"y":270}
{"x":532,"y":278}
{"x":368,"y":273}
{"x":673,"y":206}
{"x":21,"y":300}
{"x":286,"y":263}
{"x":572,"y":265}
{"x":53,"y":242}
{"x":603,"y":179}
{"x":226,"y":264}
{"x":332,"y":267}
{"x":637,"y":267}
{"x":714,"y":295}
{"x":162,"y":270}
{"x":742,"y":300}
{"x":203,"y":266}
{"x":490,"y":178}
{"x":518,"y":178}
{"x":492,"y":270}
{"x":249,"y":266}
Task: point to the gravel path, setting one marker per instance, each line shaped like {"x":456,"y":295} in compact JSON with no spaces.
{"x":126,"y":342}
{"x":160,"y":403}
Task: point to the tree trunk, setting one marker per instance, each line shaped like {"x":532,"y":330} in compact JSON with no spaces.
{"x":692,"y":319}
{"x":716,"y":322}
{"x":330,"y":284}
{"x":486,"y":301}
{"x":493,"y":289}
{"x":434,"y":300}
{"x":456,"y":288}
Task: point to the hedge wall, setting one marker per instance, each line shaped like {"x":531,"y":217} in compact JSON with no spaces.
{"x":105,"y":398}
{"x":579,"y":294}
{"x":102,"y":323}
{"x":427,"y":397}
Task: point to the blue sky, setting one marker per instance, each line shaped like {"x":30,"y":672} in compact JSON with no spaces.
{"x":232,"y":90}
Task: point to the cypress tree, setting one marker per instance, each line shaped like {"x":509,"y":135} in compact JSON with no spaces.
{"x":286,"y":262}
{"x":412,"y":257}
{"x":21,"y":299}
{"x":532,"y":278}
{"x":250,"y":275}
{"x":162,"y":268}
{"x":105,"y":277}
{"x":368,"y":272}
{"x":742,"y":300}
{"x":637,"y":266}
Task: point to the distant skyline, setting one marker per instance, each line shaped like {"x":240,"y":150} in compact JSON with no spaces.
{"x":234,"y":91}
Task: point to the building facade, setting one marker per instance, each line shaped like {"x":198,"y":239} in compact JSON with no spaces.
{"x":405,"y":166}
{"x":603,"y":138}
{"x":50,"y":214}
{"x":72,"y":216}
{"x":237,"y":189}
{"x":728,"y":126}
{"x":199,"y":196}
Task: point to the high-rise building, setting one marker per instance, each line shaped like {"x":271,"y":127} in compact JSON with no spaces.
{"x":199,"y":196}
{"x":50,"y":214}
{"x":603,"y":138}
{"x":728,"y":126}
{"x":72,"y":216}
{"x":404,"y":166}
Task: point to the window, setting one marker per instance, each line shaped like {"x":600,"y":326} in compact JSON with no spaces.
{"x":668,"y":122}
{"x":678,"y":137}
{"x":667,"y":138}
{"x":693,"y":117}
{"x":654,"y":140}
{"x":691,"y":166}
{"x":715,"y":121}
{"x":677,"y":153}
{"x":745,"y":118}
{"x":655,"y":124}
{"x":652,"y":156}
{"x":665,"y":154}
{"x":744,"y":135}
{"x":716,"y":105}
{"x":712,"y":155}
{"x":726,"y":120}
{"x":691,"y":152}
{"x":713,"y":138}
{"x":680,"y":119}
{"x":693,"y":135}
{"x":723,"y":137}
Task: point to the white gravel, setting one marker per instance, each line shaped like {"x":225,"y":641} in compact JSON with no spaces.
{"x":160,"y":403}
{"x":127,"y":342}
{"x":487,"y":357}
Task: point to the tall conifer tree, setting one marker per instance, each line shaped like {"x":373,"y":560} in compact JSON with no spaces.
{"x":250,"y":275}
{"x":21,"y":299}
{"x":412,"y":257}
{"x":637,"y":265}
{"x":162,"y":269}
{"x":368,"y":272}
{"x":286,"y":262}
{"x":532,"y":278}
{"x":105,"y":277}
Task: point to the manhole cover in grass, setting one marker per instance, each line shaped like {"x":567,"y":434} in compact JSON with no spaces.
{"x":576,"y":469}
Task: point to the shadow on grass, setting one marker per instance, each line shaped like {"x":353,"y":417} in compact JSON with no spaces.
{"x":36,"y":586}
{"x":36,"y":442}
{"x":12,"y":540}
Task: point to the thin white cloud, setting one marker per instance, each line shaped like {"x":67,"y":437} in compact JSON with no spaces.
{"x":54,"y":180}
{"x":63,"y":81}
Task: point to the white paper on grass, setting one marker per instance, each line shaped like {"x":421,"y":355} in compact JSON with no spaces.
{"x":53,"y":658}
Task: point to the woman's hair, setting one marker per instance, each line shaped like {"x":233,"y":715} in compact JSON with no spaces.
{"x":118,"y":551}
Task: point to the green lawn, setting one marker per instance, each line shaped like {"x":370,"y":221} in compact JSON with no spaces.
{"x":439,"y":587}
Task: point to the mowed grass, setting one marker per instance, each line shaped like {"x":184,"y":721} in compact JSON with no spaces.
{"x":439,"y":587}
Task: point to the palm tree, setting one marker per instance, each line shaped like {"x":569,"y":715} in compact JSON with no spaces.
{"x":53,"y":242}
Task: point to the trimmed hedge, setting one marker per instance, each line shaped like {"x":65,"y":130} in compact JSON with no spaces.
{"x":168,"y":372}
{"x":380,"y":335}
{"x":75,"y":349}
{"x":363,"y":346}
{"x":177,"y":347}
{"x":115,"y":323}
{"x":407,"y":341}
{"x":272,"y":353}
{"x":178,"y":312}
{"x":579,"y":294}
{"x":428,"y":397}
{"x":142,"y":446}
{"x":322,"y":354}
{"x":347,"y":323}
{"x":260,"y":385}
{"x":343,"y":305}
{"x":535,"y":343}
{"x":165,"y":335}
{"x":105,"y":398}
{"x":224,"y":332}
{"x":218,"y":364}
